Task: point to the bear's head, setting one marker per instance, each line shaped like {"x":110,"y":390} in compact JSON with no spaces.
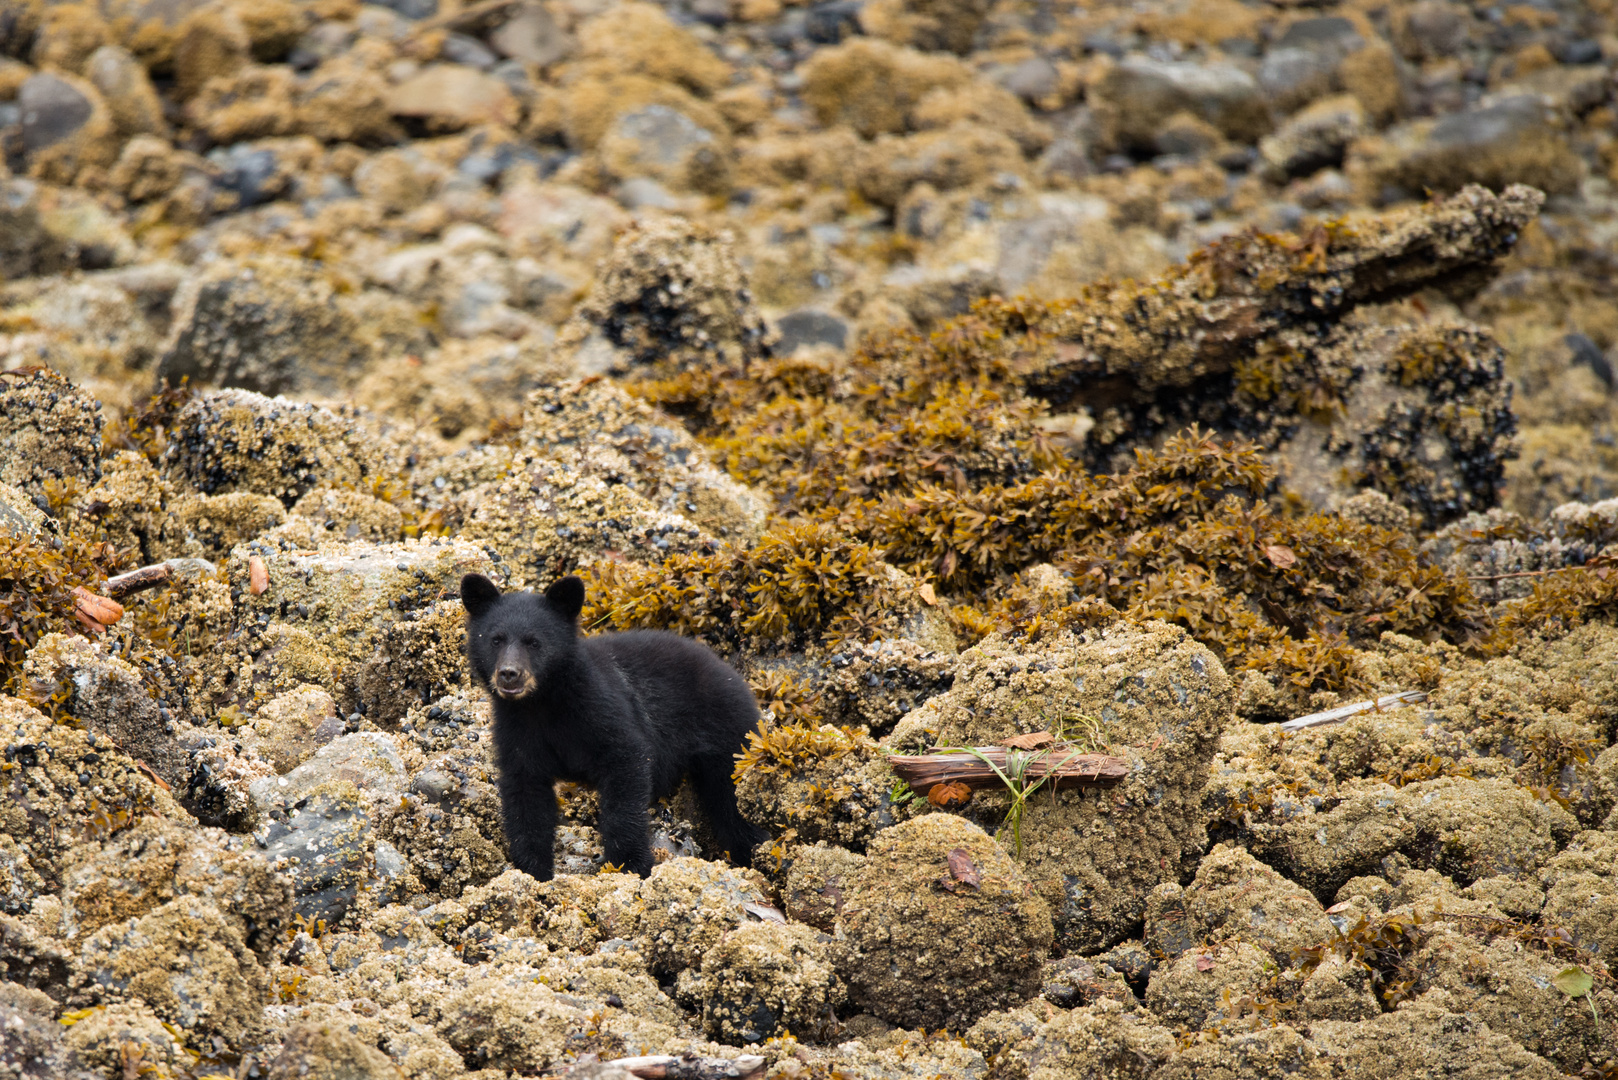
{"x":514,"y":641}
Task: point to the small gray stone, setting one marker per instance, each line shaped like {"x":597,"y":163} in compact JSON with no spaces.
{"x":1033,"y":79}
{"x":389,"y":863}
{"x":1581,"y":350}
{"x":639,"y":192}
{"x":665,"y":136}
{"x":411,"y":9}
{"x":1143,"y":93}
{"x":1314,"y":138}
{"x":1325,"y":31}
{"x":464,"y":49}
{"x":712,"y":12}
{"x":808,"y":327}
{"x":1514,"y":140}
{"x":53,"y":109}
{"x":433,"y":785}
{"x":533,"y":37}
{"x":1436,"y":28}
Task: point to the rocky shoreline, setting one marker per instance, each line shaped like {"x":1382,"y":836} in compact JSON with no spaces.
{"x":1144,"y":375}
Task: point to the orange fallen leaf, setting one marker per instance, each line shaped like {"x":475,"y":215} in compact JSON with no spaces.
{"x":1280,"y":555}
{"x":949,"y":796}
{"x":1032,"y":741}
{"x":99,"y":610}
{"x":258,"y":575}
{"x":928,"y":597}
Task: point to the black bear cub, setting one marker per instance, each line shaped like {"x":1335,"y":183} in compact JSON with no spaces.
{"x":629,"y":714}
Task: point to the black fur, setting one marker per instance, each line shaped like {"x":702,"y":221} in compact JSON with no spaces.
{"x":629,"y":714}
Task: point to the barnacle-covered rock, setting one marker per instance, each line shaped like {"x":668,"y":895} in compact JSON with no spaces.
{"x":208,"y":526}
{"x":1581,"y":894}
{"x":327,"y":1052}
{"x":1510,"y":988}
{"x":268,"y":325}
{"x":546,"y":519}
{"x":351,"y":514}
{"x":290,"y":727}
{"x":64,"y":786}
{"x":766,"y":978}
{"x":821,"y":783}
{"x":1419,"y":413}
{"x":1105,"y":1037}
{"x":1074,"y":980}
{"x":417,"y":660}
{"x":939,"y":926}
{"x":49,"y":430}
{"x":107,"y":695}
{"x":874,"y":685}
{"x":154,"y":861}
{"x":597,"y":428}
{"x":686,"y":906}
{"x":1235,"y":898}
{"x":1197,"y":989}
{"x":339,"y":602}
{"x":513,"y":1021}
{"x":448,"y":824}
{"x":671,"y":296}
{"x":1462,"y":827}
{"x":239,"y":440}
{"x":817,"y":881}
{"x":1147,"y":692}
{"x":124,"y":1031}
{"x":187,"y":961}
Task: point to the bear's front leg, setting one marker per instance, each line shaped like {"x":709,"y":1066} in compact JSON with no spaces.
{"x":624,"y":799}
{"x":528,"y":804}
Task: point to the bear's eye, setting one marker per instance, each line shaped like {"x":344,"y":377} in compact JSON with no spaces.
{"x":499,"y":639}
{"x":531,"y":642}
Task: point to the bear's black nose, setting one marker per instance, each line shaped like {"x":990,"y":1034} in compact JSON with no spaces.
{"x":508,"y":678}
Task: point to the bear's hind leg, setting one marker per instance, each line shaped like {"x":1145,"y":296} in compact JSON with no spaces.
{"x":716,"y":793}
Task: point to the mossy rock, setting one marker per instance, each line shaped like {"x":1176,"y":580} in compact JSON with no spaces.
{"x":1148,"y":693}
{"x":921,"y":946}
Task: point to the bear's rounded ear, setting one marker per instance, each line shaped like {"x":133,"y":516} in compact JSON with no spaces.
{"x":478,"y":594}
{"x":567,"y":597}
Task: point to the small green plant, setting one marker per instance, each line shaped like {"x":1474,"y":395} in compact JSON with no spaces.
{"x":1015,"y":776}
{"x":1575,"y":982}
{"x":1083,"y":731}
{"x":900,"y":794}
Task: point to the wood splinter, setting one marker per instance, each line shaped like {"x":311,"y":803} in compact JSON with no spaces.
{"x":691,"y":1067}
{"x":1332,"y":716}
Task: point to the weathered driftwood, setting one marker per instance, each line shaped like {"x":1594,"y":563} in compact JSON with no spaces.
{"x":147,"y":577}
{"x":922,"y":771}
{"x":691,"y":1067}
{"x":1331,"y":716}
